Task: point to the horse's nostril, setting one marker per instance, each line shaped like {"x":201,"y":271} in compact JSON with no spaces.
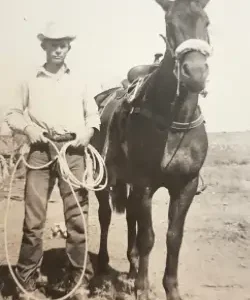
{"x":186,"y":70}
{"x":194,"y":70}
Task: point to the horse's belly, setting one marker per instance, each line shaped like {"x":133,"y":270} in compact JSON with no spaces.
{"x":128,"y":172}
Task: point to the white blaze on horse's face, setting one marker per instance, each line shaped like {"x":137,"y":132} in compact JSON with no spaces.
{"x":187,"y":34}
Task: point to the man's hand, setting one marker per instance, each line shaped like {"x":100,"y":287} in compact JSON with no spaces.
{"x":35,"y":134}
{"x":83,"y":139}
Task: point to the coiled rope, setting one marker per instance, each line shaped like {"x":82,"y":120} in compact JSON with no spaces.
{"x":94,"y":162}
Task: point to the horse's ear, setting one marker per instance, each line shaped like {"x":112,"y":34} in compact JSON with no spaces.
{"x":165,"y":4}
{"x":203,"y":3}
{"x":164,"y":38}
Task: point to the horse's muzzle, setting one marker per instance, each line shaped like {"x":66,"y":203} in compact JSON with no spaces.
{"x":194,"y":71}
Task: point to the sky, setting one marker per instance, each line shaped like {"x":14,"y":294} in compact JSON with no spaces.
{"x":114,"y":35}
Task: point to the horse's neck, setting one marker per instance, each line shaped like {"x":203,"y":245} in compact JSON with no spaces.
{"x":161,"y":97}
{"x":185,"y":107}
{"x":162,"y":90}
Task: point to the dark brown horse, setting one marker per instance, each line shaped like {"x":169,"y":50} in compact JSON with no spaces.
{"x":158,"y":140}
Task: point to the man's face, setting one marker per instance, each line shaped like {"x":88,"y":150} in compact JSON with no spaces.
{"x":56,"y":50}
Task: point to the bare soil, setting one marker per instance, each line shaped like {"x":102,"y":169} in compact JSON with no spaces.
{"x":215,"y":254}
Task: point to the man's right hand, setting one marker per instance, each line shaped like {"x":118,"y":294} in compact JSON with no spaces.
{"x":35,"y":134}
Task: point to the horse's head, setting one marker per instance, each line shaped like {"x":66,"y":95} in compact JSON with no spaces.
{"x":188,"y":38}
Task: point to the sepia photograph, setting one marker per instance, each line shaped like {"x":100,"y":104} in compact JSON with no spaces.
{"x":124,"y":150}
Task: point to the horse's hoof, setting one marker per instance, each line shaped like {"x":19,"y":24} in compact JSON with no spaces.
{"x":125,"y":284}
{"x":103,"y":265}
{"x":103,"y":288}
{"x":141,"y":295}
{"x":132,"y":274}
{"x":174,"y":297}
{"x":103,"y":270}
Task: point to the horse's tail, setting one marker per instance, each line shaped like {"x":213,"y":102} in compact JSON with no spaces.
{"x":119,"y":196}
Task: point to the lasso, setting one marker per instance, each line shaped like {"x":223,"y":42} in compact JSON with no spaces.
{"x":94,"y":162}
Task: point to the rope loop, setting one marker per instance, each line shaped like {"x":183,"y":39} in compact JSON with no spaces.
{"x":94,"y":162}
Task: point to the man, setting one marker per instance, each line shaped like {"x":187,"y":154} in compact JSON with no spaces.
{"x":52,"y":102}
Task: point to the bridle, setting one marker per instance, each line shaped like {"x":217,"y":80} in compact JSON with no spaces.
{"x":189,"y":45}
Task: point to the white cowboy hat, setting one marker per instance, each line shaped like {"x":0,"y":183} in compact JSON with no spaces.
{"x":55,"y":31}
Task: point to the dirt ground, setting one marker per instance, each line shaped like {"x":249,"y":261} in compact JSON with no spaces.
{"x":215,"y":255}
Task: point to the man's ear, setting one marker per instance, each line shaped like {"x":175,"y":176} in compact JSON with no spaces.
{"x":43,"y":45}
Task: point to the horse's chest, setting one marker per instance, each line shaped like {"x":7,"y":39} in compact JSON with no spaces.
{"x":181,"y":161}
{"x":149,"y":153}
{"x":184,"y":154}
{"x":144,"y":150}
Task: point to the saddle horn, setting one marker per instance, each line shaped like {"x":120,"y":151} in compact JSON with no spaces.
{"x":157,"y":58}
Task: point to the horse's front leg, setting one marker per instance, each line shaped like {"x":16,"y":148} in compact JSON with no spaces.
{"x":181,"y":197}
{"x":145,"y":239}
{"x":104,"y":219}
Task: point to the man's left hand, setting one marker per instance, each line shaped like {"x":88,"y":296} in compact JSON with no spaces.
{"x":83,"y":139}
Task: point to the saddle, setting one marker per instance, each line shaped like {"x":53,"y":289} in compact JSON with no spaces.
{"x":111,"y":101}
{"x":141,"y":71}
{"x":134,"y":75}
{"x":135,"y":78}
{"x":99,"y":98}
{"x":106,"y":97}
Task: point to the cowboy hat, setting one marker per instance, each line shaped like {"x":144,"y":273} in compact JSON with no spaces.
{"x":55,"y":31}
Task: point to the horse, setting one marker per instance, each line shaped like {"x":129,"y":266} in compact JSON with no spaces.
{"x":158,"y":139}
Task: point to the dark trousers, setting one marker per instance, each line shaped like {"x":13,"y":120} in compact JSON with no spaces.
{"x":38,"y":189}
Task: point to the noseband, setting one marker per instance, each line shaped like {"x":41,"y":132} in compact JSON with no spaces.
{"x":189,"y":45}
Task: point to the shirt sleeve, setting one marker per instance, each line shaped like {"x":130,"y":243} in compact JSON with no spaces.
{"x":15,"y":117}
{"x":91,"y":113}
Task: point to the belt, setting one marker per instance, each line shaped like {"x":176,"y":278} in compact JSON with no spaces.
{"x":60,"y":137}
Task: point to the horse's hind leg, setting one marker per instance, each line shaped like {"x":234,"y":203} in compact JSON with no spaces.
{"x":181,"y":197}
{"x":119,"y":200}
{"x":104,"y":219}
{"x":132,"y":251}
{"x":145,"y":238}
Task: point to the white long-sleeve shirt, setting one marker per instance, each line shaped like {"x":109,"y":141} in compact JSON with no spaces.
{"x":55,"y":102}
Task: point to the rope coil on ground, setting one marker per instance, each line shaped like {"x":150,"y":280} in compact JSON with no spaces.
{"x":93,"y":161}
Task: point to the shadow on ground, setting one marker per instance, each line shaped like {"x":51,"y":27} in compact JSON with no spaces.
{"x":113,"y":285}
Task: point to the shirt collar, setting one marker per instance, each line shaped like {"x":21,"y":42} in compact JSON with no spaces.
{"x":42,"y":71}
